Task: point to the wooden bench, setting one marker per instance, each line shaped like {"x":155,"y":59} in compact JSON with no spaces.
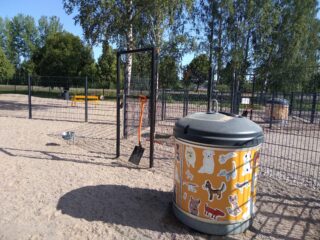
{"x":81,"y":98}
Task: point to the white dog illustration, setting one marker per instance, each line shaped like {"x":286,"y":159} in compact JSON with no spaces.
{"x":190,"y":156}
{"x":208,"y":163}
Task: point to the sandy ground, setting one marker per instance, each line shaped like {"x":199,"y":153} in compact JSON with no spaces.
{"x":53,"y":189}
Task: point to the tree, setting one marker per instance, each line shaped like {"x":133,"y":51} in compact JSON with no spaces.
{"x":21,"y":38}
{"x":128,"y":23}
{"x":286,"y":44}
{"x":168,"y":72}
{"x":6,"y":68}
{"x":107,"y":65}
{"x":197,"y":70}
{"x":63,"y":55}
{"x":3,"y":33}
{"x":110,"y":21}
{"x":48,"y":26}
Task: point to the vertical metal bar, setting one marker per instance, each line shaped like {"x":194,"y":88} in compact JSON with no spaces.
{"x":291,"y":104}
{"x":252,"y":96}
{"x":162,"y":104}
{"x":271,"y":111}
{"x":86,"y":100}
{"x":29,"y":97}
{"x":211,"y":74}
{"x":118,"y":106}
{"x":125,"y":106}
{"x":187,"y":102}
{"x":184,"y":103}
{"x":233,"y":91}
{"x":165,"y":105}
{"x":300,"y":105}
{"x":238,"y":101}
{"x":313,"y":109}
{"x":152,"y":102}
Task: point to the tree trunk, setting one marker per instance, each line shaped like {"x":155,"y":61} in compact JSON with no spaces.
{"x":128,"y":68}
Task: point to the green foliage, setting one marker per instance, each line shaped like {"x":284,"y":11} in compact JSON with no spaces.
{"x":6,"y":68}
{"x":278,"y":39}
{"x":168,"y":73}
{"x":107,"y":67}
{"x":287,"y":44}
{"x":21,"y":38}
{"x":63,"y":55}
{"x":129,"y":24}
{"x":46,"y":27}
{"x":197,"y":71}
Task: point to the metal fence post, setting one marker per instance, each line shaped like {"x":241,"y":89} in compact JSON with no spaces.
{"x":291,"y":103}
{"x":187,"y":102}
{"x":313,"y":109}
{"x":271,"y":111}
{"x":162,"y":104}
{"x":252,"y":96}
{"x":300,"y":105}
{"x":153,"y":86}
{"x":118,"y":106}
{"x":86,"y":100}
{"x":29,"y":97}
{"x":165,"y":105}
{"x":238,"y":99}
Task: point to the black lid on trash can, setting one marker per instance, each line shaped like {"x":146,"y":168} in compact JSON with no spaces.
{"x":280,"y":101}
{"x":220,"y":129}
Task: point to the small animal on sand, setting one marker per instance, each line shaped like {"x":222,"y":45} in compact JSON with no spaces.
{"x":214,"y":191}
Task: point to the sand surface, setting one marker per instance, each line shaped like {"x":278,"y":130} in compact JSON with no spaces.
{"x":54,"y":189}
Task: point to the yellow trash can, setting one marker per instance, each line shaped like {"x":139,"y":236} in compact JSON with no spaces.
{"x":215,"y":172}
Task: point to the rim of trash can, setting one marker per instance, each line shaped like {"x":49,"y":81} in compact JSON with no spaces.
{"x":219,"y":129}
{"x":279,"y":101}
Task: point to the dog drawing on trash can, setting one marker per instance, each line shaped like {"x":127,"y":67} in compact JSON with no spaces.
{"x":214,"y":191}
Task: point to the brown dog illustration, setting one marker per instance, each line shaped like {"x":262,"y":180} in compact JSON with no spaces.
{"x":214,"y":191}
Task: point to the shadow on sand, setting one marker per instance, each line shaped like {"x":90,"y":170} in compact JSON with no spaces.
{"x":122,"y":205}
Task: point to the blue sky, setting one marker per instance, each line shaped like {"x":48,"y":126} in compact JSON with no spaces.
{"x":38,"y":8}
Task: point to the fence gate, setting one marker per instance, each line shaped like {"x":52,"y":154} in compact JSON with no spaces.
{"x":138,"y":80}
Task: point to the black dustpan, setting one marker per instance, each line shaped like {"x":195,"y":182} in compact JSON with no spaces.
{"x":136,"y":155}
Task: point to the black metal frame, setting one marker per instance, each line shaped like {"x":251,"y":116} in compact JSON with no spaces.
{"x":152,"y":101}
